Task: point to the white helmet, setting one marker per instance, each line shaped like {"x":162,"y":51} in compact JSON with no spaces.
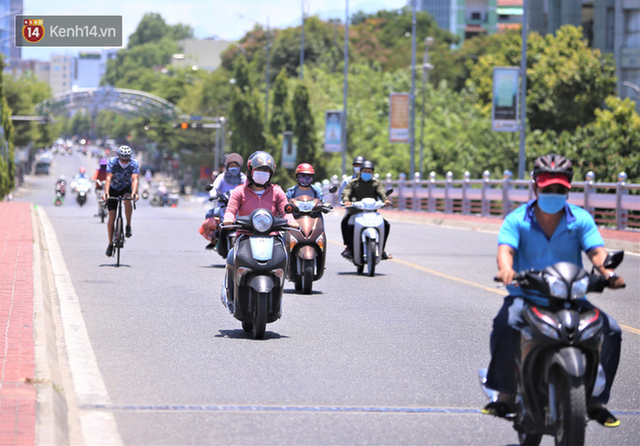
{"x":124,"y":152}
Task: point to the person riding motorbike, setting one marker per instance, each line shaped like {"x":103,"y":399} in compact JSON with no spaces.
{"x":257,"y":192}
{"x":61,"y":184}
{"x":357,"y":165}
{"x":100,"y":175}
{"x":304,"y":174}
{"x":122,"y":181}
{"x":363,"y":186}
{"x":222,"y":184}
{"x":538,"y":234}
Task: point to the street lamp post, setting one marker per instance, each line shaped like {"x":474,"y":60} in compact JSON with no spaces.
{"x":426,"y":67}
{"x":345,"y":88}
{"x":412,"y":96}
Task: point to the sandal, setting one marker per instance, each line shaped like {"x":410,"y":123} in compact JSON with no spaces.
{"x":497,"y":409}
{"x":603,"y":416}
{"x":386,"y":256}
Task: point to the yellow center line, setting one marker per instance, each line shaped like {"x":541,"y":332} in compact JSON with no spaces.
{"x":473,"y":284}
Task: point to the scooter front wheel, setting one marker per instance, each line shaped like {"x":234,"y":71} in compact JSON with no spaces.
{"x":371,"y":257}
{"x":571,"y":410}
{"x":307,"y":276}
{"x":247,"y":326}
{"x":260,"y":315}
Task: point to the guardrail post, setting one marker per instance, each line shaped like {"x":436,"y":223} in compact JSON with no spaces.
{"x":466,"y":203}
{"x":417,"y":205}
{"x":401,"y":180}
{"x":621,"y":214}
{"x":432,"y":199}
{"x":485,"y":204}
{"x":588,"y":188}
{"x":448,"y":202}
{"x":506,"y":185}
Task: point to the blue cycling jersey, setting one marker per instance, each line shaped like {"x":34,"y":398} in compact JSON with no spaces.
{"x":122,"y":175}
{"x":575,"y":233}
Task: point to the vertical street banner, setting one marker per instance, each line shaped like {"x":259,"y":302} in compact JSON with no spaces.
{"x":333,"y":131}
{"x":289,"y":151}
{"x":399,"y":117}
{"x":504,"y":110}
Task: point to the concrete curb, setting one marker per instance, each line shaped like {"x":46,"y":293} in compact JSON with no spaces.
{"x":51,"y":412}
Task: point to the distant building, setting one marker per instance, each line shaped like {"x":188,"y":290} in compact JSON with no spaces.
{"x":62,"y":73}
{"x":8,"y":10}
{"x":203,"y":54}
{"x":87,"y":70}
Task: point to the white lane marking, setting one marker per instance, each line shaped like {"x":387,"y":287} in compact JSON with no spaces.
{"x":97,"y":427}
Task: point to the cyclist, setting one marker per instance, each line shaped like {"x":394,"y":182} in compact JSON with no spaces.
{"x":122,"y":181}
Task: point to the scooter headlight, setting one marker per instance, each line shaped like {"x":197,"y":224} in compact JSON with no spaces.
{"x":579,"y":288}
{"x":557,"y":287}
{"x":262,"y":221}
{"x":305,"y":206}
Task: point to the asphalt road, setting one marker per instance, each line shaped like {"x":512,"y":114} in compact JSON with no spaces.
{"x":390,"y":359}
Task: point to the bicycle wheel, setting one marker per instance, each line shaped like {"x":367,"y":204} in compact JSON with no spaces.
{"x":118,"y":237}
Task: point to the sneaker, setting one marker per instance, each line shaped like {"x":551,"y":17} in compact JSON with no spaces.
{"x":109,"y":251}
{"x":386,"y":256}
{"x":347,"y":254}
{"x":210,"y":246}
{"x":127,"y":231}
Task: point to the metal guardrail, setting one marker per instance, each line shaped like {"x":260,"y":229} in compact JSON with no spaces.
{"x":611,"y":204}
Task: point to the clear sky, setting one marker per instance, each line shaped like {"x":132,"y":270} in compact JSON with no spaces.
{"x":207,"y":17}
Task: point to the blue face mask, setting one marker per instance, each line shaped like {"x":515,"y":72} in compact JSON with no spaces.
{"x":366,"y":176}
{"x":234,"y":171}
{"x":551,"y":203}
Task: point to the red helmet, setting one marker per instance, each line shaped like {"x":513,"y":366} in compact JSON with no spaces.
{"x":305,"y":168}
{"x":83,"y":170}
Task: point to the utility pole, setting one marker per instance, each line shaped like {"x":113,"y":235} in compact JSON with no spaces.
{"x":346,"y":89}
{"x":523,"y":92}
{"x":426,"y":67}
{"x":302,"y":44}
{"x":413,"y":91}
{"x":266,"y":79}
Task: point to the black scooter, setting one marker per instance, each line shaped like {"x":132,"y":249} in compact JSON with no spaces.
{"x":558,"y":367}
{"x":252,"y":289}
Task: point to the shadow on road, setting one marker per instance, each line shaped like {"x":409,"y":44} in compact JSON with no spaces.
{"x":293,"y":291}
{"x":114,"y":265}
{"x":241,"y":334}
{"x":214,"y":266}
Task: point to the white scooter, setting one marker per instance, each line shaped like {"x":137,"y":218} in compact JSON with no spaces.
{"x":368,"y":233}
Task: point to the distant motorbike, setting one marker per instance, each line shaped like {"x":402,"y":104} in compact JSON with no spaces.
{"x":102,"y":205}
{"x":368,"y":234}
{"x":145,"y":191}
{"x":61,"y":188}
{"x":252,"y":288}
{"x":82,"y":187}
{"x":223,"y":239}
{"x":59,"y":199}
{"x":558,"y":368}
{"x":307,"y":249}
{"x":170,"y":200}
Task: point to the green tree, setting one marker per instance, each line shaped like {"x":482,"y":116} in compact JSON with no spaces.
{"x":304,"y":128}
{"x":153,"y":28}
{"x":566,"y":80}
{"x":245,"y":118}
{"x":7,"y":166}
{"x":280,"y":113}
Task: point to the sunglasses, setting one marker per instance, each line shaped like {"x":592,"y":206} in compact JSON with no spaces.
{"x":304,"y":176}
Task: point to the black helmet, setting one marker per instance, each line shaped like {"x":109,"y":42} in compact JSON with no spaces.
{"x":368,"y":165}
{"x":552,"y":164}
{"x":358,"y":160}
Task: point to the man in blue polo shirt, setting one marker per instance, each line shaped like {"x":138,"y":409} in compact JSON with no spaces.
{"x":541,"y":233}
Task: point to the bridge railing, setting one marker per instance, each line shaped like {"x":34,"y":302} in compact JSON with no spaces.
{"x":611,"y":204}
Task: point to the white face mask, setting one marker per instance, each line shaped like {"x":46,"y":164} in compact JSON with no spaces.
{"x":123,"y":165}
{"x":260,"y":177}
{"x":356,"y":170}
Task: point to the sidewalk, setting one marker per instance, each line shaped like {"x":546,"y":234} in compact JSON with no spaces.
{"x":17,"y":391}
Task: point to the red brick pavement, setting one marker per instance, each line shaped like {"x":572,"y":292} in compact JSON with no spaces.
{"x":17,"y":361}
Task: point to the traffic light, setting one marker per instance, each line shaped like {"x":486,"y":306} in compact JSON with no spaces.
{"x":184,"y":125}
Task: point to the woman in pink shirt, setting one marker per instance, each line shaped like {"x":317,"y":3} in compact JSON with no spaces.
{"x":258,"y":192}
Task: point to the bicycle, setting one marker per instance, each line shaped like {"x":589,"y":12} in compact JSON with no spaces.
{"x":118,"y":228}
